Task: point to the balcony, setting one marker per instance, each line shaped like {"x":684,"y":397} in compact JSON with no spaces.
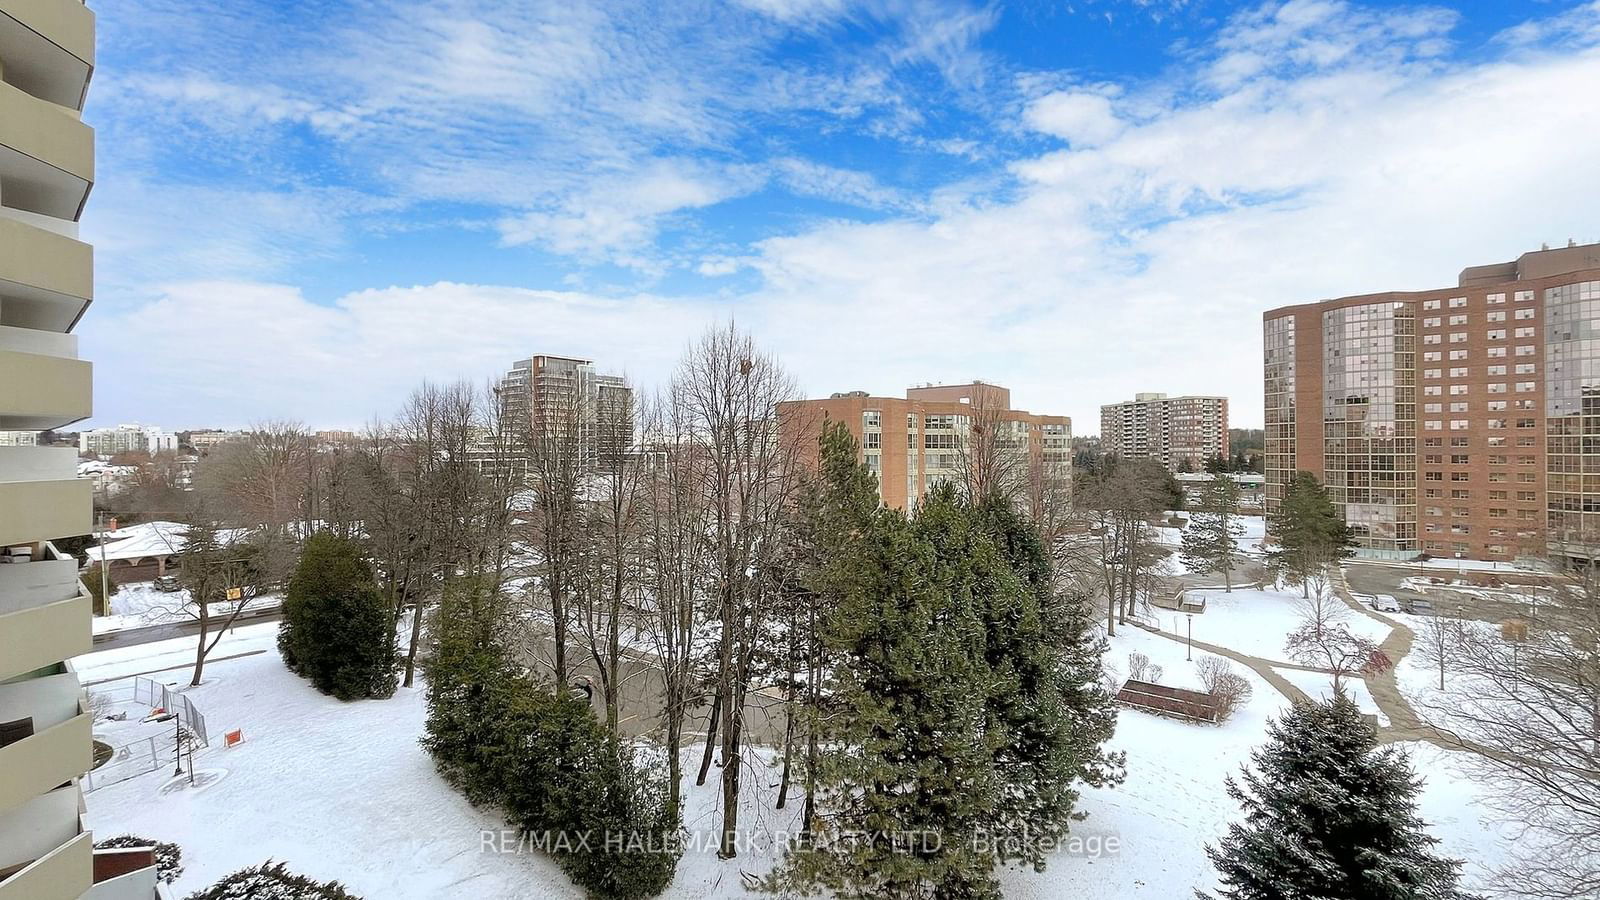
{"x":40,"y":636}
{"x":48,"y":759}
{"x":45,"y":385}
{"x":46,"y":156}
{"x":48,"y":46}
{"x":46,"y":278}
{"x":64,"y":874}
{"x":40,"y":582}
{"x":36,"y":828}
{"x":40,"y":496}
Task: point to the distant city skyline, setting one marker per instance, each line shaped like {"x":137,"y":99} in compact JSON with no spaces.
{"x":298,"y":221}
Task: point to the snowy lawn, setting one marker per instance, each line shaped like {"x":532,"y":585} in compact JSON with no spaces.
{"x":1319,"y":686}
{"x":1256,"y":622}
{"x":343,"y":790}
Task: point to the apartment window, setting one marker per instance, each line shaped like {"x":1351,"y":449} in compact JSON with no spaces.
{"x":1497,"y":388}
{"x":1458,"y":372}
{"x":1497,"y":352}
{"x":1458,"y":302}
{"x":1524,"y":296}
{"x":1497,"y":406}
{"x":1498,"y":495}
{"x":1456,"y":355}
{"x":1430,"y":322}
{"x":1527,"y":312}
{"x":1526,"y":350}
{"x":874,"y":462}
{"x":1494,"y":299}
{"x":1434,"y":511}
{"x":1433,"y":442}
{"x":1458,"y":424}
{"x":1458,"y":319}
{"x":872,"y":440}
{"x":1458,"y":337}
{"x":1460,"y":512}
{"x":1498,"y":512}
{"x":1430,"y":373}
{"x":1433,"y":425}
{"x":1497,"y":315}
{"x":1460,"y":476}
{"x":1433,"y":528}
{"x":1495,"y":423}
{"x":1527,"y":442}
{"x":1431,"y":356}
{"x":1526,"y":368}
{"x":1460,"y":494}
{"x":1432,"y":407}
{"x":1434,"y":458}
{"x":1497,"y":477}
{"x":1523,"y":332}
{"x":1433,"y":390}
{"x":1459,"y":459}
{"x":1431,"y":493}
{"x":1458,"y":442}
{"x":1457,"y":390}
{"x":1496,"y":370}
{"x":1430,"y":304}
{"x":1432,"y":339}
{"x":1458,"y":407}
{"x":1497,"y":442}
{"x":1496,"y":459}
{"x":1527,"y":514}
{"x":1524,"y":404}
{"x":1524,"y":460}
{"x":1526,"y":478}
{"x":1526,"y":496}
{"x":872,"y":419}
{"x":1432,"y":476}
{"x":1497,"y":334}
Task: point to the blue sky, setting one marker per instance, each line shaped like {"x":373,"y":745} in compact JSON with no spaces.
{"x":304,"y":209}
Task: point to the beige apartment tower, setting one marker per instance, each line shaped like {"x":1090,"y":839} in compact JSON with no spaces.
{"x":1181,"y":433}
{"x":915,"y":443}
{"x":46,"y":283}
{"x":1462,"y":421}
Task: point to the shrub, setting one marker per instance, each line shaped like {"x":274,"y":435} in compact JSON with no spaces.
{"x":102,"y":599}
{"x":169,"y":858}
{"x":335,"y":628}
{"x":272,"y":881}
{"x":1140,"y":668}
{"x":1227,"y":688}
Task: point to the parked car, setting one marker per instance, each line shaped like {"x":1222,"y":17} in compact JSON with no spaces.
{"x":1419,"y":607}
{"x":1385,"y":603}
{"x":167,"y":584}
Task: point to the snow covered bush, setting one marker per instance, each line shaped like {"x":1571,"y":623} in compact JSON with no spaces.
{"x":272,"y":881}
{"x":335,"y":628}
{"x":169,"y":858}
{"x":1227,"y":688}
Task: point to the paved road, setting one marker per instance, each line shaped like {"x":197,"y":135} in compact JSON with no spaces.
{"x":132,"y":637}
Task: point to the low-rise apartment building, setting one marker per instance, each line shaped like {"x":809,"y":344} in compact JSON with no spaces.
{"x":916,"y":442}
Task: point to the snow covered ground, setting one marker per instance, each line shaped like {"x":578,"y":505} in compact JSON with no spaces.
{"x":1256,"y":622}
{"x":1319,"y":686}
{"x":139,"y":603}
{"x":343,"y":790}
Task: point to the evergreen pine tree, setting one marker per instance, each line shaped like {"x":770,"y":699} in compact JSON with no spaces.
{"x":1209,"y":543}
{"x":1309,"y":531}
{"x":1329,"y":815}
{"x":335,"y":628}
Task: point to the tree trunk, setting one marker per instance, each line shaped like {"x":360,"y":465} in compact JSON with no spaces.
{"x":416,"y":635}
{"x":200,"y":648}
{"x":788,"y":752}
{"x":711,"y":738}
{"x":674,"y":760}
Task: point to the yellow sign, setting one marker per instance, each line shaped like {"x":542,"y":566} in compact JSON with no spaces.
{"x":235,"y":593}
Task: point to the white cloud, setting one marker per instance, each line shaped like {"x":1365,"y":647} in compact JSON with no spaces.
{"x":1081,"y":118}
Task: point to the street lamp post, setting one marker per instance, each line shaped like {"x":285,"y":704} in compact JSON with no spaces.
{"x":1189,"y":654}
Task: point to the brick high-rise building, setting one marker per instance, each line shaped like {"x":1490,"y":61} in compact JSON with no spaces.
{"x":916,"y":442}
{"x":46,"y":284}
{"x":1181,"y":433}
{"x":1456,"y":421}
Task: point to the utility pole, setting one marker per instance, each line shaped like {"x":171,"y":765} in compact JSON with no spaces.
{"x":105,"y":575}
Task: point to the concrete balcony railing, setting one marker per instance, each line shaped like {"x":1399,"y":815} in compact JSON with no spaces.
{"x":42,"y":390}
{"x":36,"y":828}
{"x":46,"y":277}
{"x":48,"y":48}
{"x":65,"y":874}
{"x":46,"y":156}
{"x":46,"y":760}
{"x":38,"y":582}
{"x":39,"y":636}
{"x":138,"y":883}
